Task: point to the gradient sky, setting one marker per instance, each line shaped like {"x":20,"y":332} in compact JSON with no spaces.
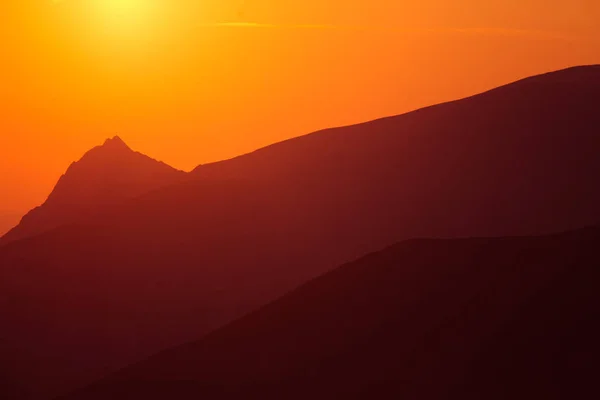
{"x":193,"y":81}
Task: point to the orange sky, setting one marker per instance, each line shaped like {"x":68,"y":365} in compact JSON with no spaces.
{"x":191,"y":81}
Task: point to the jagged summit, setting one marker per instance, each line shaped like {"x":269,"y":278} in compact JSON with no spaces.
{"x":115,"y":142}
{"x":110,"y":147}
{"x":106,"y":175}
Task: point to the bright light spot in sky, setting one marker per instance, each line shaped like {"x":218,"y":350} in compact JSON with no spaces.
{"x":118,"y":16}
{"x":125,"y":14}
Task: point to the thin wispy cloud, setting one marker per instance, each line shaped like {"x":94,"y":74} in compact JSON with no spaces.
{"x":279,"y":26}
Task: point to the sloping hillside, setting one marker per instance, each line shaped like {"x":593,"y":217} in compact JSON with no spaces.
{"x":506,"y":318}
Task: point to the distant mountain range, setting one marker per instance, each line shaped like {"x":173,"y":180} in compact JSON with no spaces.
{"x":506,"y":318}
{"x":129,"y":256}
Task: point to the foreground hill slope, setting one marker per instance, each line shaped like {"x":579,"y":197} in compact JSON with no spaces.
{"x":430,"y":319}
{"x":105,"y":176}
{"x":167,"y":266}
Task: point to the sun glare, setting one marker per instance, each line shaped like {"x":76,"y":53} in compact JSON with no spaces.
{"x":117,"y":17}
{"x":128,"y":15}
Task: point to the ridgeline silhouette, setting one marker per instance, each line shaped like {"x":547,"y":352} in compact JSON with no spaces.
{"x":146,"y":271}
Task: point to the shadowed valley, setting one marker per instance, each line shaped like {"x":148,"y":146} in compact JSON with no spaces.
{"x":505,"y":318}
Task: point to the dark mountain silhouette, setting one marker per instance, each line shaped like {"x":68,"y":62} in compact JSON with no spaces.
{"x":167,"y":266}
{"x":7,"y":221}
{"x":518,"y":158}
{"x":104,"y":177}
{"x":506,"y":318}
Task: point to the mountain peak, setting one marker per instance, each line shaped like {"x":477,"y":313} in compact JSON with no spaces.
{"x":105,"y":176}
{"x":115,"y":142}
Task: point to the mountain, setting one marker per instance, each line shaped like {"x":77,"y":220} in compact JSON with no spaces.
{"x":7,"y":221}
{"x":519,"y":158}
{"x":506,"y":318}
{"x":170,"y":265}
{"x":104,"y":177}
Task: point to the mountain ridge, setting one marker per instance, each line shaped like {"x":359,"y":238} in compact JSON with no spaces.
{"x":573,"y":72}
{"x":179,"y":261}
{"x":115,"y":143}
